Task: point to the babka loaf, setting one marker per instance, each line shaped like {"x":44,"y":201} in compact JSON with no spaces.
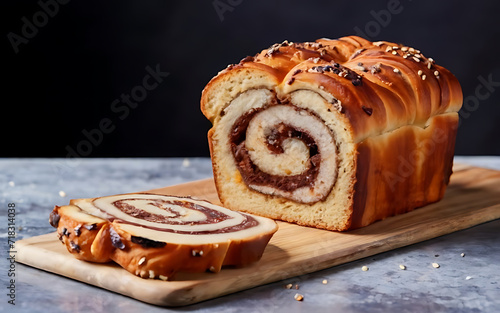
{"x":333,"y":134}
{"x":155,"y":236}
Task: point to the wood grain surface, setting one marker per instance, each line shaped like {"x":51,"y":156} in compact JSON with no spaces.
{"x":473,"y":197}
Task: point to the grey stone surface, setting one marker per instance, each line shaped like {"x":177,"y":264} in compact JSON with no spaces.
{"x":461,"y":284}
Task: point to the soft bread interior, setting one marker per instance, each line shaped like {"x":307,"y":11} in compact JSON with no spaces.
{"x":332,"y":212}
{"x":224,"y":88}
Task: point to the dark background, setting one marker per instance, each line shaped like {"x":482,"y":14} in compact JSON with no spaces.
{"x":62,"y":81}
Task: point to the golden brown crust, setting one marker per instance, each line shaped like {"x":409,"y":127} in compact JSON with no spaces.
{"x":402,"y":171}
{"x":398,"y":85}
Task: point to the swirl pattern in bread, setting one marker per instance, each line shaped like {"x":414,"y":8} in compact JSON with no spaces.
{"x":155,"y":236}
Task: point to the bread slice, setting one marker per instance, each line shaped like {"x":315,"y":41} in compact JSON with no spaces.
{"x":333,"y":134}
{"x":156,"y":236}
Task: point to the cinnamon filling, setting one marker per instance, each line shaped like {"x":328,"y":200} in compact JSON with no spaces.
{"x":252,"y":175}
{"x":212,"y":217}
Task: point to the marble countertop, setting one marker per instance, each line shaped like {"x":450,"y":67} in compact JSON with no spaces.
{"x":468,"y":283}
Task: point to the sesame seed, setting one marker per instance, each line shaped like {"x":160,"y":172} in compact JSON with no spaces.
{"x":364,"y":268}
{"x":367,"y":110}
{"x":429,"y":65}
{"x":389,"y":48}
{"x":431,"y":60}
{"x":142,"y":260}
{"x":424,"y":77}
{"x":401,"y":266}
{"x":436,"y":73}
{"x":395,"y":47}
{"x":151,"y":274}
{"x":420,"y":72}
{"x":288,"y":286}
{"x":325,"y":281}
{"x":468,"y":277}
{"x":462,"y":254}
{"x":62,"y":194}
{"x":298,"y":297}
{"x":375,"y":68}
{"x":197,"y":252}
{"x":411,"y":50}
{"x":435,"y":265}
{"x":163,"y":277}
{"x":12,"y":184}
{"x":406,"y":56}
{"x":378,"y":43}
{"x":396,"y":70}
{"x":185,"y":163}
{"x":394,"y":52}
{"x":212,"y":269}
{"x":404,"y":49}
{"x":418,"y":55}
{"x":416,"y":59}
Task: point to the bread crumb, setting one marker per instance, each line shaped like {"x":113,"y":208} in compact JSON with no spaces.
{"x":288,"y":286}
{"x":435,"y":265}
{"x":365,"y":268}
{"x":401,"y":266}
{"x":298,"y":297}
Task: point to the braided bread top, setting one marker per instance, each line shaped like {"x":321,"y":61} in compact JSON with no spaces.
{"x":378,"y":86}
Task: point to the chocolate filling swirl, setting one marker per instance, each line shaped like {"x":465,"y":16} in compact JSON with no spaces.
{"x":251,"y":173}
{"x":173,"y":216}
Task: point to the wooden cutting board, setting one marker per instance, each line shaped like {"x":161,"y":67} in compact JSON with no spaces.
{"x":473,"y":197}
